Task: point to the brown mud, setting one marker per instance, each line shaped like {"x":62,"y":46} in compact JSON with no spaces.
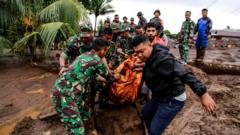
{"x":24,"y":94}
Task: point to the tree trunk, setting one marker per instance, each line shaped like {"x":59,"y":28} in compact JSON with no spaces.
{"x":95,"y":25}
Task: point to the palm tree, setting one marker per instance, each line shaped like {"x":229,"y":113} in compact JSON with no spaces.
{"x":59,"y":18}
{"x":43,"y":37}
{"x":10,"y":11}
{"x":67,"y":11}
{"x":5,"y":45}
{"x":98,"y":7}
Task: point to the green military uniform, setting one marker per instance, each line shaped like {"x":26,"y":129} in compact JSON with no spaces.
{"x":125,"y":45}
{"x":74,"y":47}
{"x":125,"y":42}
{"x":70,"y":94}
{"x":187,"y":32}
{"x":132,"y":27}
{"x":113,"y":55}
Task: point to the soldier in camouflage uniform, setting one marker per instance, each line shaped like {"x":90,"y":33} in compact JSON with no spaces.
{"x":125,"y":20}
{"x":70,"y":94}
{"x":186,"y":35}
{"x":115,"y":27}
{"x":75,"y":46}
{"x":124,"y":41}
{"x":118,"y":52}
{"x":142,"y":21}
{"x":132,"y":27}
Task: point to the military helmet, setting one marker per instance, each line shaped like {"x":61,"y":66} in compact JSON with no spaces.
{"x":85,"y":30}
{"x":132,"y":19}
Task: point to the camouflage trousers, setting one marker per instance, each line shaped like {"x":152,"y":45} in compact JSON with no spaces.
{"x":184,"y":51}
{"x":73,"y":110}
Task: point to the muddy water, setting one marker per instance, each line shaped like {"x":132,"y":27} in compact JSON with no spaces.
{"x":8,"y":128}
{"x":24,"y":92}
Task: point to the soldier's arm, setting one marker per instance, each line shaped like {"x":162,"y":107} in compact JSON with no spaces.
{"x":102,"y":71}
{"x":106,"y":65}
{"x":192,"y":30}
{"x":63,"y":60}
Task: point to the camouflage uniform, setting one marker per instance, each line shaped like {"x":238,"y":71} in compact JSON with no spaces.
{"x":74,"y":48}
{"x":142,"y":21}
{"x":70,"y":94}
{"x":186,"y":33}
{"x":132,"y":26}
{"x":115,"y":28}
{"x":124,"y":44}
{"x":113,"y":55}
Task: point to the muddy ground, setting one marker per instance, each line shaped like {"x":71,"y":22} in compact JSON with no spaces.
{"x":24,"y":94}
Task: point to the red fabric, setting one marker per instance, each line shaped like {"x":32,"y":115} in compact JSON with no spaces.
{"x":159,"y":40}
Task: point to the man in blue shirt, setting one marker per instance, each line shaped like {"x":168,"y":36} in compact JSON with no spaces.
{"x":203,"y":28}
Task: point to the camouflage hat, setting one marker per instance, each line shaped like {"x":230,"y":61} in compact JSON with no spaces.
{"x":115,"y":26}
{"x":85,"y":28}
{"x":132,"y":19}
{"x":124,"y":27}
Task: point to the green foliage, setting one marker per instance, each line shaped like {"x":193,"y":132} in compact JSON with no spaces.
{"x":98,"y":7}
{"x":44,"y":37}
{"x":67,"y":11}
{"x":50,"y":31}
{"x":33,"y":39}
{"x":170,"y":35}
{"x":49,"y":21}
{"x":167,"y":32}
{"x":5,"y":45}
{"x":10,"y":10}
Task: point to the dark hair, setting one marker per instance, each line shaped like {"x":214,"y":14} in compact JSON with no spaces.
{"x":157,"y":11}
{"x":139,"y":39}
{"x":106,"y":21}
{"x":99,"y":43}
{"x":150,"y":25}
{"x":204,"y":9}
{"x":138,"y":27}
{"x":116,"y":15}
{"x":125,"y":17}
{"x":188,"y":12}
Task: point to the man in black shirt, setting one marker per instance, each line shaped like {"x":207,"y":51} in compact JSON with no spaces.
{"x":166,"y":78}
